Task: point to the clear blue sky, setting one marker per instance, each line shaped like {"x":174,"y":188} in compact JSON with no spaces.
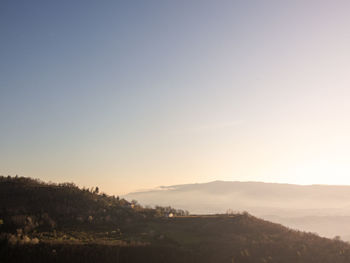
{"x":135,"y":94}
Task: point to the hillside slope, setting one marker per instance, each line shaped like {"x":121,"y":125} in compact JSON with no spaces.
{"x":61,"y":223}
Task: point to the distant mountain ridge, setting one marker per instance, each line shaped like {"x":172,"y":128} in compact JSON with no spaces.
{"x":315,"y":208}
{"x":253,"y":194}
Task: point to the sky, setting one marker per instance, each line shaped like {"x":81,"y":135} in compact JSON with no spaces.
{"x":130,"y":95}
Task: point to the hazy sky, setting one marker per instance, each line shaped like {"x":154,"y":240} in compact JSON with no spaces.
{"x":135,"y":94}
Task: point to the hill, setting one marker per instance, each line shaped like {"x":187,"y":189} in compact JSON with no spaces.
{"x":324,"y":209}
{"x":42,"y":222}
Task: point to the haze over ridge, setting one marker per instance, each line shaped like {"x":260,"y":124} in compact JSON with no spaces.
{"x":324,"y":209}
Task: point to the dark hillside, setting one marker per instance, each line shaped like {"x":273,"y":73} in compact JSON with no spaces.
{"x":42,"y":206}
{"x":42,"y":222}
{"x":31,"y":205}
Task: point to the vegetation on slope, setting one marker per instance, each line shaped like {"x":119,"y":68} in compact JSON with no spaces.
{"x":42,"y":222}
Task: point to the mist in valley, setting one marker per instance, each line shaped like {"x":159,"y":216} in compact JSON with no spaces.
{"x":321,"y":209}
